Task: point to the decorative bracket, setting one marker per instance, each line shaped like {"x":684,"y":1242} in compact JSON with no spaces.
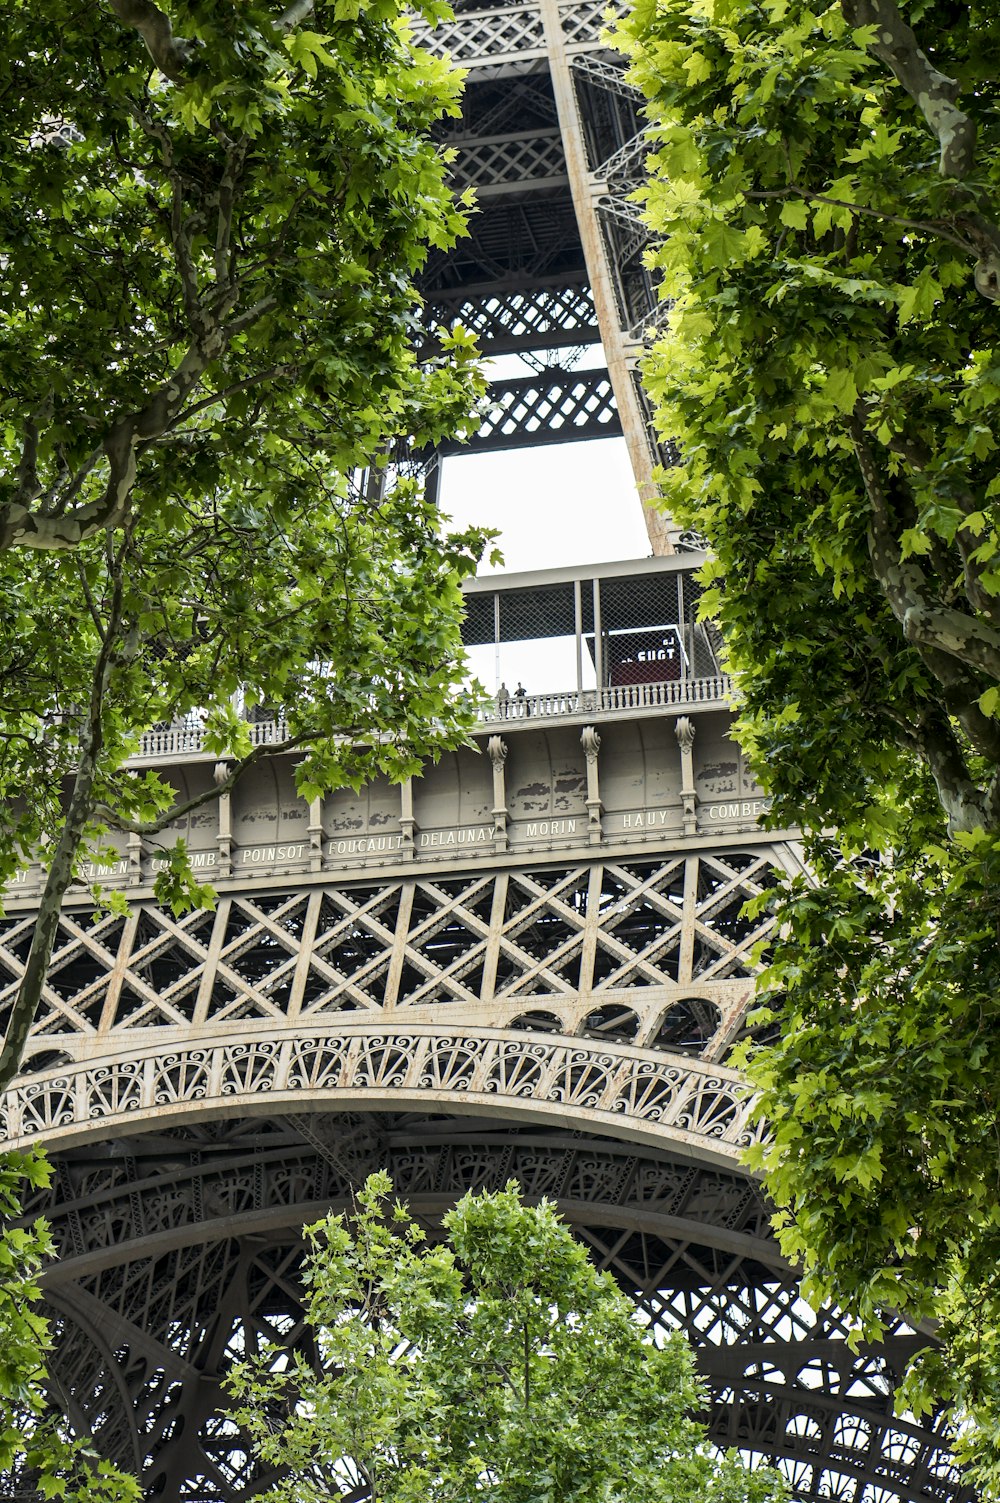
{"x":407,"y":823}
{"x":315,"y":834}
{"x":225,"y":802}
{"x":497,"y":748}
{"x":591,"y":743}
{"x":684,"y":731}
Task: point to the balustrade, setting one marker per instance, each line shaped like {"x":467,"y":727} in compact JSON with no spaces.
{"x":175,"y":742}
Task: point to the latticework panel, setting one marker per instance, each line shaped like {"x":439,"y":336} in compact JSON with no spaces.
{"x":526,"y":159}
{"x":652,"y":950}
{"x":484,"y":37}
{"x":180,"y":1251}
{"x":561,"y":406}
{"x":526,"y":319}
{"x":584,"y":21}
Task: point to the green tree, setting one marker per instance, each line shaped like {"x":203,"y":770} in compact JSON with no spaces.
{"x":211,"y":217}
{"x":495,"y":1365}
{"x":35,"y":1450}
{"x":826,"y":189}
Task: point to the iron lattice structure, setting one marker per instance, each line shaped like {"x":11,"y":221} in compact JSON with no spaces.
{"x":531,"y":963}
{"x":552,"y":277}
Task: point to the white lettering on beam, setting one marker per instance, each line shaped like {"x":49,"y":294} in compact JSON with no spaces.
{"x":258,"y":854}
{"x":440,"y":839}
{"x":550,"y":827}
{"x":650,"y":819}
{"x":365,"y":845}
{"x":196,"y":858}
{"x":93,"y":870}
{"x":745,"y":809}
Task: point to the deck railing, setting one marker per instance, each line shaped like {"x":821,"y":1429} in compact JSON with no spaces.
{"x":175,"y":742}
{"x":674,"y":694}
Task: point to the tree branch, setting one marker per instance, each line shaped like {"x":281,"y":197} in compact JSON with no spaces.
{"x":28,"y":488}
{"x":925,"y":622}
{"x":933,"y":93}
{"x":78,"y":813}
{"x":962,"y":800}
{"x":171,"y":56}
{"x":294,"y":13}
{"x":919,"y":458}
{"x":928,"y":226}
{"x":108,"y":816}
{"x":20,"y":526}
{"x":235,"y":156}
{"x":231,"y":391}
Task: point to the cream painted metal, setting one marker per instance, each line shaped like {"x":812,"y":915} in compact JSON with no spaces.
{"x":646,"y":1097}
{"x":570,"y":704}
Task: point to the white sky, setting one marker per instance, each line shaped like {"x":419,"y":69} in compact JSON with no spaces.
{"x":560,"y":504}
{"x":556,"y":504}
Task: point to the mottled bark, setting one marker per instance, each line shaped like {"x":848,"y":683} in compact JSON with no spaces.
{"x":935,"y":95}
{"x":954,"y":645}
{"x":170,"y":54}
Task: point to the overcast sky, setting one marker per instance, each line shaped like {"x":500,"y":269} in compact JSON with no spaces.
{"x":557,"y":504}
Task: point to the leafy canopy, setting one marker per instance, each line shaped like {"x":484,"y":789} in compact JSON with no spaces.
{"x":211,"y":217}
{"x":826,"y":189}
{"x":495,"y":1365}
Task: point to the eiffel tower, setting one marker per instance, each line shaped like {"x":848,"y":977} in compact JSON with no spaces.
{"x":532,"y":962}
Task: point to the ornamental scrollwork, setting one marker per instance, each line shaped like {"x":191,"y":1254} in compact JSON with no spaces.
{"x":616,"y":1083}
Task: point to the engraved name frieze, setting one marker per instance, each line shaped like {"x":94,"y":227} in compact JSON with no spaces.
{"x":423,"y":840}
{"x":198,"y":859}
{"x":96,"y":871}
{"x":747,"y":808}
{"x":539,"y":829}
{"x":261,"y":855}
{"x":648,"y":819}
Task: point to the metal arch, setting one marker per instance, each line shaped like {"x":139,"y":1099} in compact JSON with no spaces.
{"x":643,"y":1096}
{"x":689,"y":1242}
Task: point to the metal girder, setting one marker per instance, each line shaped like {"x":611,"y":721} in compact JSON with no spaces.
{"x":553,"y":407}
{"x":530,"y":315}
{"x":549,"y":127}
